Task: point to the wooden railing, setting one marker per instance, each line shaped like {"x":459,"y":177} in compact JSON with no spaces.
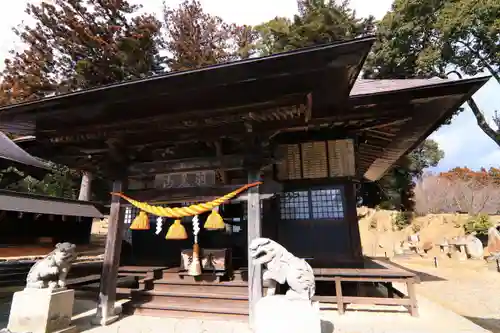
{"x":386,"y":275}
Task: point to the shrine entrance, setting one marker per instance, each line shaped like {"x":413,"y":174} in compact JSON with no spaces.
{"x":168,"y":253}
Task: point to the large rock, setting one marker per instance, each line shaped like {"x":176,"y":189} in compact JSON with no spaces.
{"x":474,"y":247}
{"x":279,"y":314}
{"x":42,"y":311}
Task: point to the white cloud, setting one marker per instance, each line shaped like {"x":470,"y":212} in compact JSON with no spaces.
{"x":10,"y":16}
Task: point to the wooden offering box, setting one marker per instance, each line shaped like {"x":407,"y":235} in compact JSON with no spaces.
{"x":211,"y":259}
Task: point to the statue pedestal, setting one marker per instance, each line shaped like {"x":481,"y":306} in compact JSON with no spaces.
{"x":42,"y":311}
{"x":279,"y":314}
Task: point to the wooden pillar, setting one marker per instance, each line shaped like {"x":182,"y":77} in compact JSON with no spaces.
{"x":85,"y":186}
{"x":254,"y":231}
{"x":352,"y":219}
{"x":106,"y":313}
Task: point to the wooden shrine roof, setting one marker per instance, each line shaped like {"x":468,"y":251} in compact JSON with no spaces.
{"x":39,"y":204}
{"x":168,"y":120}
{"x":418,"y":107}
{"x":247,"y":85}
{"x":11,"y":155}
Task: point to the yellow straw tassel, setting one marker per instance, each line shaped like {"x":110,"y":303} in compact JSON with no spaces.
{"x":214,"y":221}
{"x":141,"y":222}
{"x":176,"y":231}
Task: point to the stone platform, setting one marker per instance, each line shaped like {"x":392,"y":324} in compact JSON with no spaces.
{"x":42,"y":311}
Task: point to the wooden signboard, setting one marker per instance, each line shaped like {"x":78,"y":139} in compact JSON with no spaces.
{"x":185,"y":179}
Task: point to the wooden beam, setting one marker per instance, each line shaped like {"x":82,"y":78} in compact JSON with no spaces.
{"x":225,"y":162}
{"x":167,"y":195}
{"x":254,"y":231}
{"x":183,"y":118}
{"x":219,"y":152}
{"x":106,"y":313}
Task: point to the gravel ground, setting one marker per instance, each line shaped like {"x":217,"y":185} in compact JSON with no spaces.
{"x":467,"y":288}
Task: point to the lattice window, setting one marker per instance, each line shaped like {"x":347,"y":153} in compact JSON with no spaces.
{"x":294,"y":205}
{"x":128,"y":218}
{"x":128,"y":215}
{"x":312,"y":204}
{"x":327,"y":204}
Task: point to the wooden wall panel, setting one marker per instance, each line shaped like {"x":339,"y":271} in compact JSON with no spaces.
{"x":317,"y":160}
{"x":341,"y":158}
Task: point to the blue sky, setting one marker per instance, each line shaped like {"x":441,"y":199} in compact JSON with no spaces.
{"x":463,"y":141}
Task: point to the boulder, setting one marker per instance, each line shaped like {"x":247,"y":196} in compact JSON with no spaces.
{"x":474,"y":247}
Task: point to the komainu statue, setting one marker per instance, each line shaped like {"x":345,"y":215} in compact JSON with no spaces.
{"x":282,"y":266}
{"x":294,"y":312}
{"x":51,"y":271}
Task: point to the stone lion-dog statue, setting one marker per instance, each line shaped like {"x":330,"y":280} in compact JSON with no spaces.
{"x":51,"y":271}
{"x":281,"y":266}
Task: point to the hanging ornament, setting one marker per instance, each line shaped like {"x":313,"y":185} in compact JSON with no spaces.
{"x":176,"y":231}
{"x":195,"y":267}
{"x":178,"y":212}
{"x":141,"y":222}
{"x":214,"y":221}
{"x":159,"y":225}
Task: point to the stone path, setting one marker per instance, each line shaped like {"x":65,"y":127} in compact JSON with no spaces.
{"x":471,"y":293}
{"x":468,"y":288}
{"x":433,"y":319}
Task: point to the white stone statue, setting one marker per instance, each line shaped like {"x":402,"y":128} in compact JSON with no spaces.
{"x":293,"y":312}
{"x":45,"y":305}
{"x":282,"y":266}
{"x":51,"y":271}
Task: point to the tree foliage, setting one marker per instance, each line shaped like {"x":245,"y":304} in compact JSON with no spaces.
{"x":408,"y":44}
{"x":397,"y":189}
{"x":480,"y":178}
{"x":428,"y":38}
{"x":63,"y":182}
{"x":470,"y":30}
{"x":195,"y":38}
{"x":318,"y":22}
{"x":459,"y":190}
{"x":77,"y":44}
{"x":426,"y":155}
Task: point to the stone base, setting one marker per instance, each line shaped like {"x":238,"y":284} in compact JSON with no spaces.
{"x":278,"y":314}
{"x":71,"y":329}
{"x":100,"y":321}
{"x":42,"y":311}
